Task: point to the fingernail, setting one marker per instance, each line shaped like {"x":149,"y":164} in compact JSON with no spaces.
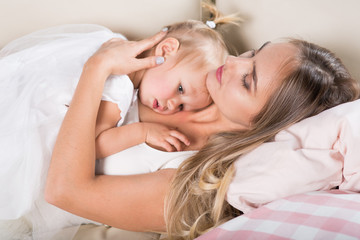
{"x":165,"y":29}
{"x":160,"y":60}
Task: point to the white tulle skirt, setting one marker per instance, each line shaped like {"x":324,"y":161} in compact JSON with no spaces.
{"x":38,"y":75}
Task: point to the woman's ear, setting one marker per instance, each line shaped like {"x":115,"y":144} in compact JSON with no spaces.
{"x":168,"y":46}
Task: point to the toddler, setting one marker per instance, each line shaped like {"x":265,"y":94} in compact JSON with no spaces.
{"x":190,"y":49}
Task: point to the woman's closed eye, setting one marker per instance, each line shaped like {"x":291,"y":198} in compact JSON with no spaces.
{"x":248,"y":54}
{"x":244,"y":83}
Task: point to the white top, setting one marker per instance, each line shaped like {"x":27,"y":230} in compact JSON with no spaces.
{"x":120,"y":90}
{"x":38,"y":76}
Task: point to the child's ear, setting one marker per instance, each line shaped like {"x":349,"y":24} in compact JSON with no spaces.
{"x":168,"y":46}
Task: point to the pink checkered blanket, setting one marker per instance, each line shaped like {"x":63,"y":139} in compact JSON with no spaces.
{"x":332,"y":214}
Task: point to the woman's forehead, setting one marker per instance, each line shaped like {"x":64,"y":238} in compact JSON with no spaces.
{"x":273,"y":63}
{"x":274,"y":57}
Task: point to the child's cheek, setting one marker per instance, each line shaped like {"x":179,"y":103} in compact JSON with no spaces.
{"x":165,"y":89}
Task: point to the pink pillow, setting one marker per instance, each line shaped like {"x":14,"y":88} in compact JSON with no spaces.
{"x":331,"y":214}
{"x":318,"y":153}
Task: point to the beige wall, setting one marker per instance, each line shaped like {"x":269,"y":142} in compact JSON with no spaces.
{"x":134,"y":18}
{"x":334,"y":24}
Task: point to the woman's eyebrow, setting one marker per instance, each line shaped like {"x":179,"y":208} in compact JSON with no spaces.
{"x":255,"y":80}
{"x":266,"y":43}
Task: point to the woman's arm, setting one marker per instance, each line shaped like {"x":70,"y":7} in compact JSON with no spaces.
{"x":130,"y":202}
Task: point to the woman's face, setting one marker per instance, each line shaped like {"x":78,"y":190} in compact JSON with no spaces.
{"x":242,"y":86}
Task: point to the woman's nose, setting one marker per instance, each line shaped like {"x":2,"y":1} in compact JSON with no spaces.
{"x":234,"y":61}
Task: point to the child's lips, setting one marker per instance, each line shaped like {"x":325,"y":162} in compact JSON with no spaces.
{"x":219,"y":73}
{"x":158,"y":107}
{"x":155,"y":104}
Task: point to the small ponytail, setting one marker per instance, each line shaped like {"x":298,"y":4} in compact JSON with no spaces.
{"x":217,"y":17}
{"x":203,"y":44}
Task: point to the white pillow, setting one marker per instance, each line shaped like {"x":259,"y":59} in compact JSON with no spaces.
{"x":318,"y":153}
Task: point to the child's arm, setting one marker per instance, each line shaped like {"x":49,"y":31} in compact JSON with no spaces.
{"x":111,"y":139}
{"x":108,"y":117}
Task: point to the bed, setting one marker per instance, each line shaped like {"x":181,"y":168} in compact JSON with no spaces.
{"x":324,"y":214}
{"x":332,"y":214}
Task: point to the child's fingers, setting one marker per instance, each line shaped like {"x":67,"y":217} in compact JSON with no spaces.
{"x":167,"y":146}
{"x":180,"y":136}
{"x":174,"y":142}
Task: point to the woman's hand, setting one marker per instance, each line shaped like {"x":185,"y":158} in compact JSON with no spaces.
{"x":118,"y":56}
{"x":159,"y":135}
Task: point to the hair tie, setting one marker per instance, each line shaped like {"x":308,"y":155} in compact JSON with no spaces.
{"x":211,"y":24}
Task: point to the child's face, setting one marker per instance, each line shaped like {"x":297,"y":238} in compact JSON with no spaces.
{"x":170,"y":88}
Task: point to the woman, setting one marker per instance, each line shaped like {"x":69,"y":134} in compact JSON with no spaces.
{"x":256,"y":95}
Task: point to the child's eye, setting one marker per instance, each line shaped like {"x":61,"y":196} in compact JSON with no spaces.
{"x":181,"y":107}
{"x":180,"y":89}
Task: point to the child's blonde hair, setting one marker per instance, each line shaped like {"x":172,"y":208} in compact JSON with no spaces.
{"x":201,"y":44}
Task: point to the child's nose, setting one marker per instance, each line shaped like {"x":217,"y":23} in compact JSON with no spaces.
{"x":173,"y":104}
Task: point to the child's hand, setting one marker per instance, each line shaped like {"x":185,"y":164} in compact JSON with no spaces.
{"x":118,"y":56}
{"x":164,"y":137}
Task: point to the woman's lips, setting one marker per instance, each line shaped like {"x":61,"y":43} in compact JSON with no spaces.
{"x":219,"y":73}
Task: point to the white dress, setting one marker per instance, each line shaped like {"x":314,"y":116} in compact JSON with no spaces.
{"x":38,"y":76}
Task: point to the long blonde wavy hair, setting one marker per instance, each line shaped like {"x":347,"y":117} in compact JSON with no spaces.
{"x":196,"y":202}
